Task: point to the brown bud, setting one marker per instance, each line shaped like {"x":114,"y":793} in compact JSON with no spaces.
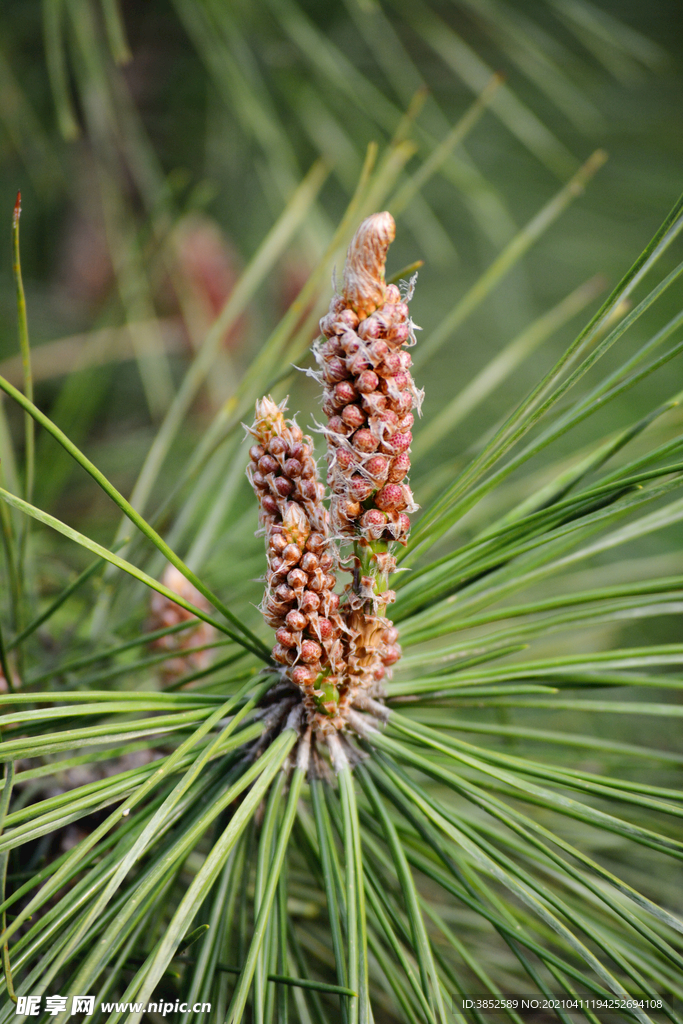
{"x":316,"y":580}
{"x":284,"y":637}
{"x":400,"y":466}
{"x":348,"y":509}
{"x":401,"y":442}
{"x":378,"y":351}
{"x":255,"y":452}
{"x":358,"y":362}
{"x":315,"y":543}
{"x":393,"y":363}
{"x":333,"y":324}
{"x":391,"y":656}
{"x":350,"y":343}
{"x":377,"y":467}
{"x":283,"y":486}
{"x":309,"y":562}
{"x":348,"y":317}
{"x":298,"y":579}
{"x":353,"y":416}
{"x":402,"y":402}
{"x":286,"y":595}
{"x":310,"y":651}
{"x":404,"y":523}
{"x":337,"y":425}
{"x":344,"y":457}
{"x":375,"y":403}
{"x":293,"y":468}
{"x":309,"y":489}
{"x":364,"y":441}
{"x":296,"y":620}
{"x":344,"y":392}
{"x":335,"y":370}
{"x":373,"y":519}
{"x":304,"y":675}
{"x":310,"y":602}
{"x":325,"y":629}
{"x":269,"y":505}
{"x":291,"y":554}
{"x":277,"y":446}
{"x":331,"y":348}
{"x":359,"y":488}
{"x":278,"y":543}
{"x":268,"y":464}
{"x":281,"y":655}
{"x":400,"y":333}
{"x":367,"y":381}
{"x":389,"y":498}
{"x":370,"y":329}
{"x":326,"y":562}
{"x":273,"y":614}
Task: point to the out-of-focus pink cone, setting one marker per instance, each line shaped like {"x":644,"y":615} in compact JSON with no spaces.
{"x":208,"y":265}
{"x":165,"y":613}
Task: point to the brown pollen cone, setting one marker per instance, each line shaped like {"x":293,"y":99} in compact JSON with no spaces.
{"x":369,"y":393}
{"x":369,"y":399}
{"x":339,"y":652}
{"x":299,"y":603}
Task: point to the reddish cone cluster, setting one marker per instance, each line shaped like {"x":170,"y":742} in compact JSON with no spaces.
{"x":339,"y":654}
{"x":299,"y":602}
{"x":369,"y":393}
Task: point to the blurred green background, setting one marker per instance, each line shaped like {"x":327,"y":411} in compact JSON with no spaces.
{"x":155,"y":151}
{"x":155,"y":145}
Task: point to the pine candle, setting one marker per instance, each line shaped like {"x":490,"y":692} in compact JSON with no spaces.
{"x":338,"y":651}
{"x":299,"y":603}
